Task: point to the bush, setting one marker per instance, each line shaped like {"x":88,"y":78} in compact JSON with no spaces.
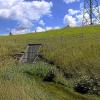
{"x":90,"y":86}
{"x":49,"y":76}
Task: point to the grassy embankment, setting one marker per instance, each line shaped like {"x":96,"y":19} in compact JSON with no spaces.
{"x":74,"y":50}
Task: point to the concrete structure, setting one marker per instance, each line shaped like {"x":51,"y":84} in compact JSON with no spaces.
{"x":31,"y":53}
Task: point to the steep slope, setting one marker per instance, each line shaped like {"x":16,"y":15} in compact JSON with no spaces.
{"x":73,"y":50}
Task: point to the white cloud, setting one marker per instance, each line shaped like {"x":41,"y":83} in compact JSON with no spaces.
{"x":57,"y":27}
{"x":70,"y":20}
{"x":70,"y":1}
{"x":20,"y":31}
{"x":75,"y":18}
{"x":48,"y":28}
{"x":41,"y":22}
{"x":52,"y":28}
{"x":73,"y":12}
{"x":40,"y":29}
{"x":24,"y":12}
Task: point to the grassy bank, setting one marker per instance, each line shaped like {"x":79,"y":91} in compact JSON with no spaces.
{"x":73,"y":50}
{"x":17,"y":84}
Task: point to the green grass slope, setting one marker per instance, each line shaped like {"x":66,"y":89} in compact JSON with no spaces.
{"x":74,"y":50}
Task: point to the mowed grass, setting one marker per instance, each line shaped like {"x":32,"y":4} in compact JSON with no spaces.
{"x":74,"y":50}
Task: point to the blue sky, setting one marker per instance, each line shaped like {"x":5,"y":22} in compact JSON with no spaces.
{"x":22,"y":16}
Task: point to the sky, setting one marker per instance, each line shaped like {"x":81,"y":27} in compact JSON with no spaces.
{"x":23,"y":16}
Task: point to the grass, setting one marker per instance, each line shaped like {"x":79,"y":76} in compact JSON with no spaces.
{"x":15,"y":84}
{"x":74,"y":50}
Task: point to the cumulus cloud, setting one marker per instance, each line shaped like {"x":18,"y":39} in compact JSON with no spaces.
{"x":50,"y":28}
{"x":70,"y":1}
{"x":40,"y":29}
{"x":25,"y":11}
{"x":41,"y":22}
{"x":43,"y":29}
{"x":16,"y":31}
{"x":75,"y":17}
{"x":73,"y":12}
{"x":71,"y":21}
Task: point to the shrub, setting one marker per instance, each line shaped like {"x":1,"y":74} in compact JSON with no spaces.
{"x":90,"y":86}
{"x":49,"y":76}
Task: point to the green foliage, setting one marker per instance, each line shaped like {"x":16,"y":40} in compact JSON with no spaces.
{"x":90,"y":86}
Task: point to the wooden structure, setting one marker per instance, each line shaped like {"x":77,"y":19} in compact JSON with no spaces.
{"x":31,"y":53}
